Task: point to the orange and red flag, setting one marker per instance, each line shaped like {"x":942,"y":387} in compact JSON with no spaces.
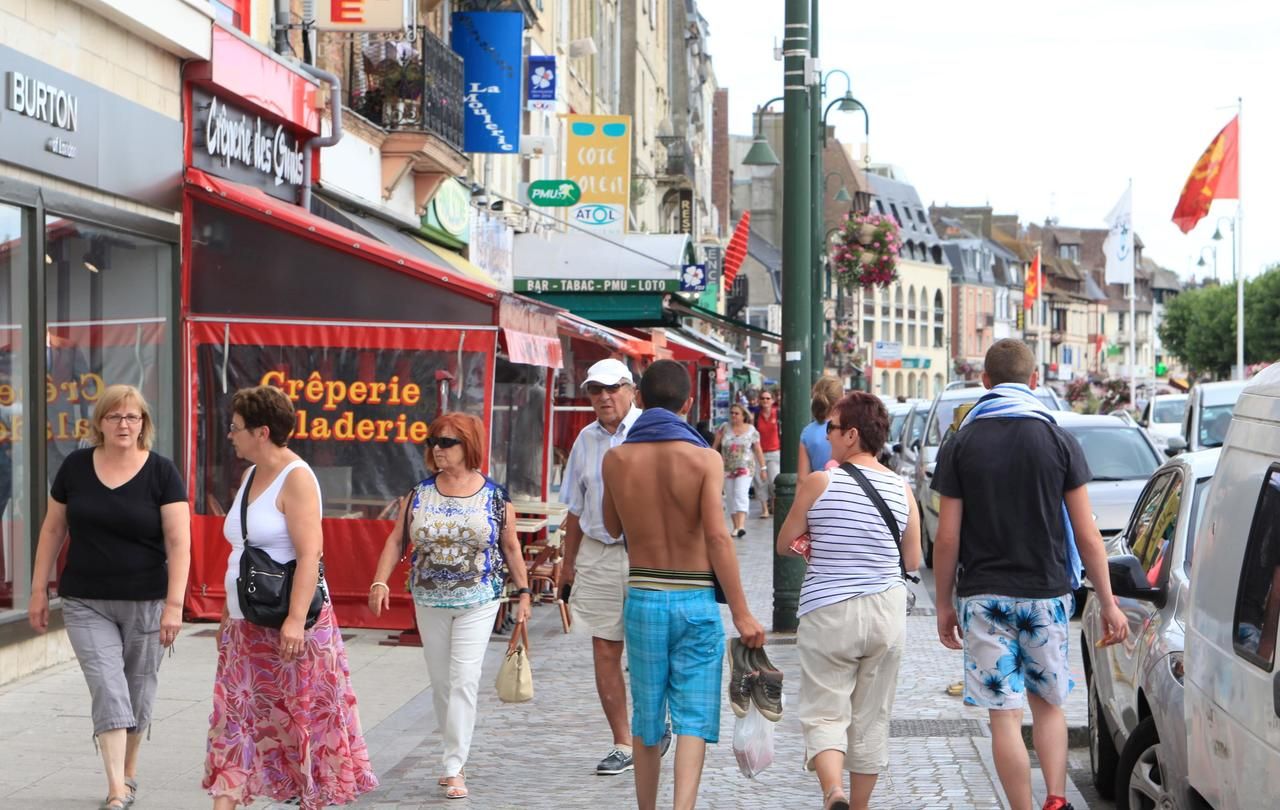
{"x":1031,"y":289}
{"x":1216,"y":176}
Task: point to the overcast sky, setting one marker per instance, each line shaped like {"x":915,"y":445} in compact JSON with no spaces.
{"x":1044,"y":109}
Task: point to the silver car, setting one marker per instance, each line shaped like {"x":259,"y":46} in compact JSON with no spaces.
{"x":1137,"y":732}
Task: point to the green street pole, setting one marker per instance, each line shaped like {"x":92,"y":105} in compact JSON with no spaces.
{"x":797,"y":267}
{"x":817,"y":323}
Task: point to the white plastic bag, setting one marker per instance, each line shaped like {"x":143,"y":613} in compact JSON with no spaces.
{"x":753,"y":742}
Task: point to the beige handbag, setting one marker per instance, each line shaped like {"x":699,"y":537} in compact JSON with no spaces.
{"x":515,"y":678}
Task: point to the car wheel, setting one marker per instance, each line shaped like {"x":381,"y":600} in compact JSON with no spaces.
{"x":1140,"y":779}
{"x":1102,"y":748}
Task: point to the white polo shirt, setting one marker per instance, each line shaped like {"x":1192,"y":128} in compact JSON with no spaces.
{"x":582,"y":486}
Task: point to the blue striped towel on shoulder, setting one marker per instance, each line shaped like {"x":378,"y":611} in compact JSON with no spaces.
{"x":1015,"y":401}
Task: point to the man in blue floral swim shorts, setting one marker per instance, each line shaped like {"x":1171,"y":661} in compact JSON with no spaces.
{"x":1015,"y":515}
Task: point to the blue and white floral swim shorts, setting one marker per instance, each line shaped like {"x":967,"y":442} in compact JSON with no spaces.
{"x":1015,"y":645}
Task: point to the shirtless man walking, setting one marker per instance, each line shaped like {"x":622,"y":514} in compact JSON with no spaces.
{"x":662,"y":489}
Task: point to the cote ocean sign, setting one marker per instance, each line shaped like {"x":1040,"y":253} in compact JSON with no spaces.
{"x":554,"y":193}
{"x":490,"y":44}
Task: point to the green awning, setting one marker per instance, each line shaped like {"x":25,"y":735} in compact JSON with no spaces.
{"x":611,"y":309}
{"x":723,"y":321}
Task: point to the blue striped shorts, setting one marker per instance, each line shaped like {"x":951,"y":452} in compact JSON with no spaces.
{"x":675,"y":654}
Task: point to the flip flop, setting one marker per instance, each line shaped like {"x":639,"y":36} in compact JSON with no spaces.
{"x":955,"y":689}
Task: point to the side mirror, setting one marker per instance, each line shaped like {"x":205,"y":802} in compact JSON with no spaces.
{"x":897,"y":448}
{"x":1130,"y":581}
{"x":1174,"y":446}
{"x":915,"y":445}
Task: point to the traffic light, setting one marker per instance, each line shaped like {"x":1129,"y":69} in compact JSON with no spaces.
{"x":1161,"y":369}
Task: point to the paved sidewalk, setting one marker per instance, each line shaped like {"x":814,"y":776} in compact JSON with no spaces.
{"x":540,"y":754}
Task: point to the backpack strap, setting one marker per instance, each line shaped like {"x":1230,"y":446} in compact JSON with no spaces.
{"x":883,"y":508}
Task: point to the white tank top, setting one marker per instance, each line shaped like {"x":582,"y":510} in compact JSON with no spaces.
{"x":267,"y":530}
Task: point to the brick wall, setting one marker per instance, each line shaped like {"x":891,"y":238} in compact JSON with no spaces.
{"x":720,"y":158}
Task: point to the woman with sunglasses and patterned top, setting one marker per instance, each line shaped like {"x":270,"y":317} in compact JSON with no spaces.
{"x":461,"y":526}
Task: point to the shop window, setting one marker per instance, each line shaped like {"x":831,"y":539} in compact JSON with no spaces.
{"x":364,"y":397}
{"x":244,"y":267}
{"x":1258,"y":599}
{"x":15,"y":561}
{"x":519,"y":423}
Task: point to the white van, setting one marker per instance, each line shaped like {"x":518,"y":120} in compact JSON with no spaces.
{"x":1232,"y":681}
{"x":1208,"y":414}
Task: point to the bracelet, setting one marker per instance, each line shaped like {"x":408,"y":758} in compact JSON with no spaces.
{"x":379,"y":584}
{"x":522,"y":592}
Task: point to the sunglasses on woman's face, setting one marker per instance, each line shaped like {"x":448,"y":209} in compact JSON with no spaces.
{"x":832,"y":427}
{"x":443,"y":442}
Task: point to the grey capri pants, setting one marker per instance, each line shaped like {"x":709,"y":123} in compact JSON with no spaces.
{"x":118,"y":644}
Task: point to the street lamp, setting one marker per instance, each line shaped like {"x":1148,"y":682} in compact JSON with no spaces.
{"x":761,"y":153}
{"x":843,"y":194}
{"x":1201,"y":262}
{"x":1217,"y":237}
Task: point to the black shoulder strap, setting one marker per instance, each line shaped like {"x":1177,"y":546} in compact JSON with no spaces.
{"x":883,"y":508}
{"x":244,"y":506}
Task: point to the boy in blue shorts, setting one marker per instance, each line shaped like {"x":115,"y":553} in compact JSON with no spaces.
{"x":1014,"y":513}
{"x":662,"y":491}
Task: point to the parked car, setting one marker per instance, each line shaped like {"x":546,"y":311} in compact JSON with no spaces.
{"x":926,"y":447}
{"x":903,"y":458}
{"x":1233,"y":625}
{"x":898,"y":415}
{"x":1163,"y":416}
{"x":1209,"y":407}
{"x":1137,"y":733}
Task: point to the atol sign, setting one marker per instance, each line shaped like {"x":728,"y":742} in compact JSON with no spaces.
{"x":360,"y":15}
{"x":490,"y":44}
{"x":554,"y":193}
{"x":598,"y":159}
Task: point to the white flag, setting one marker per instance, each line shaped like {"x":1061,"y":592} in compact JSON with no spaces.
{"x":1119,"y":243}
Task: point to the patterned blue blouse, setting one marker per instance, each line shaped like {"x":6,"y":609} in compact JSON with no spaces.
{"x":456,"y":557}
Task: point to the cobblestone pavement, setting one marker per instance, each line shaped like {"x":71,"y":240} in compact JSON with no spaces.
{"x":542,"y":754}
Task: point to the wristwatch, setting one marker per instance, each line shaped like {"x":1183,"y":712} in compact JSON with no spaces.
{"x":518,"y":591}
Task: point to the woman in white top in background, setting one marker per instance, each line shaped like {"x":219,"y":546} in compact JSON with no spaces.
{"x":284,"y":722}
{"x":853,"y":603}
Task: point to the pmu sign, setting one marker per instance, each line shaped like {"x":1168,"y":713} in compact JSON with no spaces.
{"x":360,"y":15}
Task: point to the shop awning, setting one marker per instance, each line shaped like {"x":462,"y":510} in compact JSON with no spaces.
{"x":592,"y":263}
{"x":577,"y":327}
{"x":262,"y":207}
{"x":457,"y":260}
{"x":675,"y":304}
{"x":692,"y":342}
{"x":531,"y":332}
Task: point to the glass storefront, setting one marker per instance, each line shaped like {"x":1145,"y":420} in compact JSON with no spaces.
{"x":519,"y":428}
{"x":108,"y":312}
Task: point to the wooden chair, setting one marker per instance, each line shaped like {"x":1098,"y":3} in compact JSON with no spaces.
{"x":544,"y":562}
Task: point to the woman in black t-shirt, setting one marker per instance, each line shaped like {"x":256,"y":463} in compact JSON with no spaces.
{"x":125,"y":510}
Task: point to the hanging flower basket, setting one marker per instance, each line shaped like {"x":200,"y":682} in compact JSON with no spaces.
{"x":865,"y":252}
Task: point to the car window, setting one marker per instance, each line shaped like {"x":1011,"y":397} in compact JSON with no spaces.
{"x":1144,"y":514}
{"x":1197,"y":512}
{"x":1214,"y":421}
{"x":895,"y":425}
{"x":916,"y":427}
{"x":1258,"y":599}
{"x":1156,"y":541}
{"x":1170,"y":411}
{"x":1117,"y":453}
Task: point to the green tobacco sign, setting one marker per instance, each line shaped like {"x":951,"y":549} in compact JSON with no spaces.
{"x":596,"y":285}
{"x":554,"y":193}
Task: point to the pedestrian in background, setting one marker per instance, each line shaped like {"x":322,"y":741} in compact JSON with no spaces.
{"x":853,"y":602}
{"x":595,"y":561}
{"x":460,"y":526}
{"x":766,"y":424}
{"x":1013,"y":509}
{"x":124,"y":510}
{"x":739,"y":446}
{"x":284,"y":723}
{"x":675,"y":641}
{"x":815,"y":450}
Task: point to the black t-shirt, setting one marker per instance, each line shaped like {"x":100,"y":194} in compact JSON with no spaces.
{"x":117,"y":539}
{"x":1011,"y":474}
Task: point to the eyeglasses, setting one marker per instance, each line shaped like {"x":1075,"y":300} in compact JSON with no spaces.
{"x":832,"y":427}
{"x":127,"y":418}
{"x":585,"y":129}
{"x":234,"y":428}
{"x":595,"y":389}
{"x":443,"y":442}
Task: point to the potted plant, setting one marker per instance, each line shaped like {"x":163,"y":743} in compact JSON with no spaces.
{"x":865,"y":251}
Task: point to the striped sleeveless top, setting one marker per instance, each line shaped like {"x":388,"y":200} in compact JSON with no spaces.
{"x":851,"y":551}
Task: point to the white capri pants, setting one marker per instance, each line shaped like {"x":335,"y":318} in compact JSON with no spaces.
{"x":737,"y":493}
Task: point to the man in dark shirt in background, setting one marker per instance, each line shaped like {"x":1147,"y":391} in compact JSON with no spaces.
{"x":1012,"y":487}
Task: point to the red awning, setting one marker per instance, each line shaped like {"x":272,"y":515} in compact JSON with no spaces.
{"x":264,"y":208}
{"x":531,"y":332}
{"x":579,"y":327}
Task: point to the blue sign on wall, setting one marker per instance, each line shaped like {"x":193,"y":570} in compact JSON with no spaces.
{"x":491,"y":48}
{"x":542,"y":82}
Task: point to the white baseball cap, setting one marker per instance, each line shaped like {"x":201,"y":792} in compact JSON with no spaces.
{"x":609,"y":372}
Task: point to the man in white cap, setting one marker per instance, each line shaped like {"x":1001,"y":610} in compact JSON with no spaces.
{"x":595,"y":562}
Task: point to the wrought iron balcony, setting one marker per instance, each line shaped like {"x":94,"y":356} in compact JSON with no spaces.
{"x":679,"y":156}
{"x":417,"y":88}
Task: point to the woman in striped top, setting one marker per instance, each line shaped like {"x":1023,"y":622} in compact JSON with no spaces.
{"x":852,"y":603}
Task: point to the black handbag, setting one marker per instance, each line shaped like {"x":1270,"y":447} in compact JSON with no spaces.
{"x":889,"y":520}
{"x":264,"y":585}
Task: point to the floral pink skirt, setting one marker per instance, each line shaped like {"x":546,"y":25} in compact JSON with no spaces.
{"x":281,"y":730}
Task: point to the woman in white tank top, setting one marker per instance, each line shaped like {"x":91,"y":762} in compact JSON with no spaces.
{"x":852,"y":603}
{"x":282,"y":695}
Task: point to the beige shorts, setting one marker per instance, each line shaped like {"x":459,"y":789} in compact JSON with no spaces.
{"x":849,"y":658}
{"x":599,"y":588}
